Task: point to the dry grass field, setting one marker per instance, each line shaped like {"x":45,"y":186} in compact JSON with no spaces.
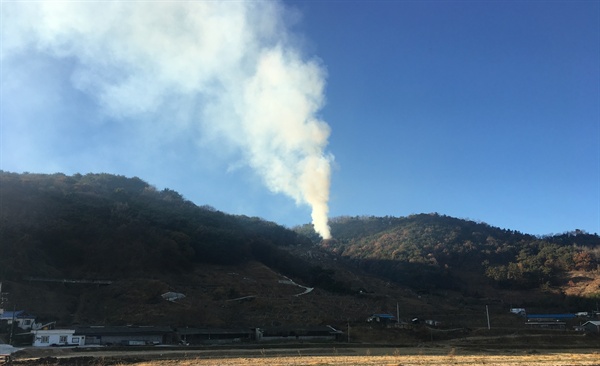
{"x":554,"y":359}
{"x":441,"y":356}
{"x":317,"y":356}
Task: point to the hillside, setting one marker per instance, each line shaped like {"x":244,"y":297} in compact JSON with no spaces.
{"x":100,"y":225}
{"x":432,"y":251}
{"x":102,"y":249}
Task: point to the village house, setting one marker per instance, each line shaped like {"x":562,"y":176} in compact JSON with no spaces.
{"x":381,"y":318}
{"x":592,"y":326}
{"x":292,"y":333}
{"x":21,"y":318}
{"x":518,"y":311}
{"x":550,"y":317}
{"x":212,"y":336}
{"x":548,"y":321}
{"x":546,"y":325}
{"x":433,"y":323}
{"x":57,"y":337}
{"x":125,"y":335}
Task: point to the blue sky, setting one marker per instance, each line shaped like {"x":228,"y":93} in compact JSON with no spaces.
{"x":487,"y":110}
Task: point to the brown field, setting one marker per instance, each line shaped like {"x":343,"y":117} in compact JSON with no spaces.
{"x":555,"y":359}
{"x":328,"y":356}
{"x":396,"y":360}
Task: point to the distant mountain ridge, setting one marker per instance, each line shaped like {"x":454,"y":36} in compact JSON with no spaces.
{"x":447,"y":246}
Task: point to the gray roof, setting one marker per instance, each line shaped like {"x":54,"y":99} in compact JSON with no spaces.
{"x":595,"y":322}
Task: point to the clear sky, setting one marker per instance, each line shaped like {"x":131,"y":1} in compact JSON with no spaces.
{"x":486,"y":110}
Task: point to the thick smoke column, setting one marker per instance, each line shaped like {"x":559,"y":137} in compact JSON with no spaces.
{"x":235,"y":60}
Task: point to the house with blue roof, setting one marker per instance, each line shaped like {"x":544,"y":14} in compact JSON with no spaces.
{"x":22,"y":319}
{"x":555,"y":317}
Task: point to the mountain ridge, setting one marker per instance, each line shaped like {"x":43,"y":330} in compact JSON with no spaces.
{"x":233,"y":268}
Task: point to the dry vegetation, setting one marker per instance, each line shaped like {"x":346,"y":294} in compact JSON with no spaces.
{"x":582,"y":283}
{"x":554,"y":359}
{"x":405,"y":356}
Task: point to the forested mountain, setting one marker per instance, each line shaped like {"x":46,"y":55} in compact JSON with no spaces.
{"x":102,"y":225}
{"x":144,"y":242}
{"x":239,"y":270}
{"x":446,"y":247}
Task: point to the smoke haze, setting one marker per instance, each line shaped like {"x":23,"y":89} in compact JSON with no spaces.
{"x":233,"y":65}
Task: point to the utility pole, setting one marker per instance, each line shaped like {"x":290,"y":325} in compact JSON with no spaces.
{"x":348,"y":330}
{"x":487,"y":311}
{"x":1,"y":300}
{"x":12,"y":326}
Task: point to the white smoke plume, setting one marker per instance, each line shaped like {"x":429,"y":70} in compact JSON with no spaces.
{"x":236,"y":60}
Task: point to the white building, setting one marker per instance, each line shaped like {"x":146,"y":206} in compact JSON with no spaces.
{"x":57,"y":337}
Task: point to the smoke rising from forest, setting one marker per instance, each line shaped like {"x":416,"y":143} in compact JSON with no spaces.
{"x":235,"y":62}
